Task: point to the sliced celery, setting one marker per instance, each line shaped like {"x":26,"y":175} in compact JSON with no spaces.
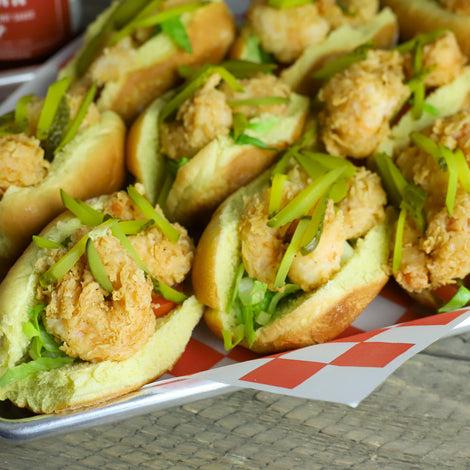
{"x":239,"y":124}
{"x":21,"y":111}
{"x":174,"y":28}
{"x":262,"y":101}
{"x":306,"y":199}
{"x":397,"y":249}
{"x":168,"y":292}
{"x":149,"y":211}
{"x":452,"y":183}
{"x":463,"y":169}
{"x":42,"y":242}
{"x":97,"y":267}
{"x":275,"y":198}
{"x":55,"y":93}
{"x":281,"y":4}
{"x":73,"y":125}
{"x":65,"y":264}
{"x":248,"y":68}
{"x":314,"y":229}
{"x":133,"y":227}
{"x":290,"y":253}
{"x":81,"y":210}
{"x":459,"y":300}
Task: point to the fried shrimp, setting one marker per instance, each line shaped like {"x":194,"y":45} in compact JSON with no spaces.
{"x":443,"y":58}
{"x":351,"y":12}
{"x":260,"y":86}
{"x":462,"y":7}
{"x":359,"y":102}
{"x":94,"y":325}
{"x":21,"y":162}
{"x":285,"y":33}
{"x":199,"y":120}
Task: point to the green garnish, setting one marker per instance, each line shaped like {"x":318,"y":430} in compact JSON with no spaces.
{"x":149,"y":211}
{"x":263,"y":101}
{"x":277,"y":187}
{"x":21,"y":111}
{"x":463,"y":169}
{"x":168,"y":292}
{"x":194,"y":84}
{"x":314,"y":229}
{"x":133,"y":227}
{"x":290,"y":253}
{"x":400,"y":192}
{"x":42,"y":242}
{"x":245,"y":139}
{"x":55,"y":94}
{"x":430,"y":147}
{"x":154,"y":20}
{"x":176,"y":30}
{"x":85,"y":213}
{"x":453,"y":180}
{"x":239,"y":125}
{"x":398,"y":244}
{"x":57,"y":129}
{"x":72,"y":127}
{"x":459,"y":300}
{"x":421,"y":40}
{"x":307,"y":198}
{"x":65,"y":264}
{"x":97,"y":267}
{"x":281,"y":4}
{"x":343,"y":62}
{"x":254,"y":52}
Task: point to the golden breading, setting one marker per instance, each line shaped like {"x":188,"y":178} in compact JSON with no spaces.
{"x":287,"y":32}
{"x":21,"y":162}
{"x":199,"y":120}
{"x":359,"y":102}
{"x":351,"y":12}
{"x":462,"y":7}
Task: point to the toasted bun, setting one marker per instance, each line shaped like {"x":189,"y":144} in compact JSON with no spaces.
{"x":92,"y":163}
{"x":382,"y":29}
{"x":156,"y":62}
{"x":421,"y":16}
{"x":80,"y":383}
{"x":215,"y":171}
{"x":310,"y":318}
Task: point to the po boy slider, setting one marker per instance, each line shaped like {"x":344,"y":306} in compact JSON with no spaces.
{"x":294,"y":257}
{"x":60,"y":141}
{"x":133,"y":49}
{"x":96,"y":306}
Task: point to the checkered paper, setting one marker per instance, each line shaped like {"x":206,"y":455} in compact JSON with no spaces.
{"x":345,"y":370}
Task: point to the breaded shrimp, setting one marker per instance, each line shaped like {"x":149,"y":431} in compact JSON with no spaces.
{"x":260,"y":86}
{"x":443,"y":57}
{"x":21,"y":162}
{"x":359,"y":102}
{"x":199,"y":120}
{"x":363,"y":206}
{"x":286,"y":33}
{"x":94,"y":325}
{"x":351,"y":12}
{"x":316,"y":268}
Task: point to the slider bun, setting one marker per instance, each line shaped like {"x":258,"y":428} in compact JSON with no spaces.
{"x":382,"y":29}
{"x":80,"y":383}
{"x":215,"y":171}
{"x":92,"y":163}
{"x":211,"y":30}
{"x":310,"y":318}
{"x":422,"y":16}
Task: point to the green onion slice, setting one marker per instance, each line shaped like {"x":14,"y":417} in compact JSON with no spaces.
{"x":281,"y":4}
{"x":306,"y":199}
{"x":42,"y":242}
{"x":262,"y":101}
{"x":278,"y":296}
{"x":133,"y":227}
{"x":245,"y":139}
{"x":247,"y":68}
{"x":290,"y":253}
{"x":277,"y":186}
{"x":463,"y":169}
{"x":397,"y":249}
{"x":239,"y":124}
{"x":314,"y":229}
{"x":56,"y":272}
{"x":168,"y":292}
{"x":84,"y":212}
{"x":97,"y":267}
{"x":176,"y":30}
{"x":238,"y":333}
{"x":453,"y":180}
{"x":55,"y":93}
{"x":263,"y":126}
{"x":21,"y":111}
{"x":459,"y":300}
{"x":343,"y":62}
{"x":149,"y":211}
{"x":72,"y":127}
{"x":154,"y":20}
{"x":422,"y":39}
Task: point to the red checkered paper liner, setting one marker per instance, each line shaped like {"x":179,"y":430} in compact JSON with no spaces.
{"x":345,"y":370}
